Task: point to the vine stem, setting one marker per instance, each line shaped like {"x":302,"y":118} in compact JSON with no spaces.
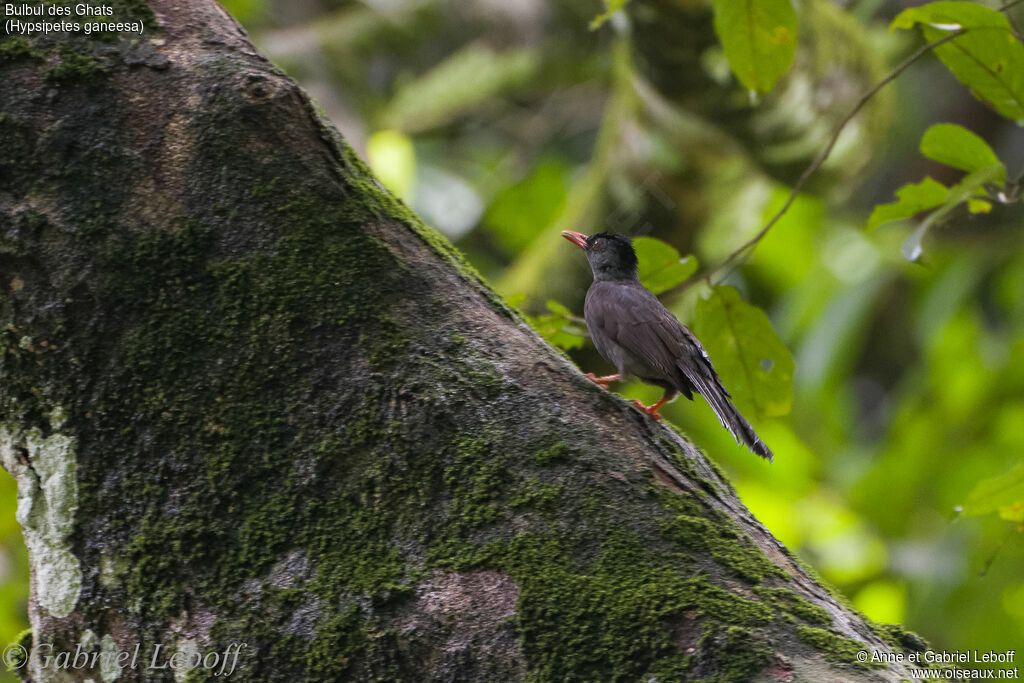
{"x":823,"y":156}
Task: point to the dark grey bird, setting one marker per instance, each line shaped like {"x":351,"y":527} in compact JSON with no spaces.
{"x":636,"y":333}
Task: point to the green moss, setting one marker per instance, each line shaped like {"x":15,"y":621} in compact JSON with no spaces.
{"x":612,"y":620}
{"x":534,"y":493}
{"x":836,"y":648}
{"x":75,"y":66}
{"x":900,"y":638}
{"x":12,"y":49}
{"x":736,"y":654}
{"x":382,"y":203}
{"x":554,"y":453}
{"x":677,"y":502}
{"x":673,"y":668}
{"x":678,"y":458}
{"x":730,"y":548}
{"x":788,"y":602}
{"x":16,"y":659}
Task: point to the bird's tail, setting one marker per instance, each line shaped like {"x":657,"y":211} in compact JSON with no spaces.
{"x":718,"y":398}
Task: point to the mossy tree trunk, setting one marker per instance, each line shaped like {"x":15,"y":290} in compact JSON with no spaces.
{"x":251,"y":402}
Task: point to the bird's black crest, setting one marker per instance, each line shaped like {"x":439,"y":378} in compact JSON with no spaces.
{"x":616,"y":251}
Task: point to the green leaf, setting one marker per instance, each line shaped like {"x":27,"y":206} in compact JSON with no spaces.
{"x":958,"y":147}
{"x":1013,"y":512}
{"x":753,"y":363}
{"x":558,"y":309}
{"x":519,"y":212}
{"x":661,"y":268}
{"x":989,"y":495}
{"x":987,"y":58}
{"x":911,"y":199}
{"x":560,"y":328}
{"x":973,"y":183}
{"x":759,"y":39}
{"x":979,"y":205}
{"x":613,"y":7}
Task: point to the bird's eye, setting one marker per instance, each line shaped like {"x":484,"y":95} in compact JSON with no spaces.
{"x":597,"y":243}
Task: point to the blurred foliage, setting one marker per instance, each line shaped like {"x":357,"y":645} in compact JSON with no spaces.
{"x":898,"y":466}
{"x":13,"y":570}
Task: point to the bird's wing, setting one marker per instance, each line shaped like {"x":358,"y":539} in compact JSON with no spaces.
{"x":633,"y":318}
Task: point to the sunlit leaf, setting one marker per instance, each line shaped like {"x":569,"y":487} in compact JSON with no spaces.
{"x":958,"y":194}
{"x":613,"y":7}
{"x":759,"y":39}
{"x":958,"y":147}
{"x":661,"y":267}
{"x":989,"y":495}
{"x":979,"y":206}
{"x":393,"y":158}
{"x":988,"y":58}
{"x":883,"y":600}
{"x":753,"y":363}
{"x":911,"y":200}
{"x":1013,"y":512}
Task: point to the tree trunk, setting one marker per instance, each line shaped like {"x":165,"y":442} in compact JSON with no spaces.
{"x":259,"y":413}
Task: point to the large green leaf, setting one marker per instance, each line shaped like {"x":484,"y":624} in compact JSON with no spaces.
{"x":759,"y":39}
{"x":661,"y":268}
{"x":988,"y":58}
{"x":911,"y":200}
{"x":958,"y":147}
{"x":989,"y":495}
{"x":753,"y":363}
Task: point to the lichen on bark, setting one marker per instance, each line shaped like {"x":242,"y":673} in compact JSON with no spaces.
{"x":45,"y":469}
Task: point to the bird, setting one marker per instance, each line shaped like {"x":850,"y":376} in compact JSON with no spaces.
{"x":634,"y":331}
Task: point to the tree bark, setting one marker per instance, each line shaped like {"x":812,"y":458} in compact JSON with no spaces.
{"x":252,"y":402}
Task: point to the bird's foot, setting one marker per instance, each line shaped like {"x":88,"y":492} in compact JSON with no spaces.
{"x":648,"y":410}
{"x":651,"y":410}
{"x":603,"y":381}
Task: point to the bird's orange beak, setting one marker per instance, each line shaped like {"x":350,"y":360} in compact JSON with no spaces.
{"x":577,"y":238}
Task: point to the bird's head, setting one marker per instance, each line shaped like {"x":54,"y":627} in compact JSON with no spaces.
{"x":611,"y":256}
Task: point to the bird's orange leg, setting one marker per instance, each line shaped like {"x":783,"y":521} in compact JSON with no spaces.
{"x":603,"y":381}
{"x":652,"y":410}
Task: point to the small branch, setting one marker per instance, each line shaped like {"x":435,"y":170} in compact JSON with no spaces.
{"x":822,"y":157}
{"x":818,"y":161}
